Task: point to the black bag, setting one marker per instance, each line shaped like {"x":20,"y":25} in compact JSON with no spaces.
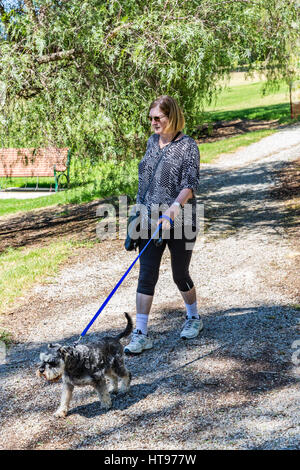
{"x":133,"y":220}
{"x":133,"y":223}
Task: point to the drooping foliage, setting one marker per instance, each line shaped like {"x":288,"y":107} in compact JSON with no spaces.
{"x":82,"y":73}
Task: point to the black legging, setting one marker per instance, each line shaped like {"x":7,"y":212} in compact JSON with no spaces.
{"x":180,"y":260}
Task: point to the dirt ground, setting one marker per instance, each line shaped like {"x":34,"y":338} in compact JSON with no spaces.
{"x":287,"y":189}
{"x":233,"y":387}
{"x":39,"y":227}
{"x":223,"y":129}
{"x":78,"y":221}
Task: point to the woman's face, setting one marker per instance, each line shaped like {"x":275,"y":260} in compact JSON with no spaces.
{"x":158,"y":125}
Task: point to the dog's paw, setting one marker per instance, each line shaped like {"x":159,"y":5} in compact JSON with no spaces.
{"x":107,"y":404}
{"x":60,"y":413}
{"x":125,"y":385}
{"x":113,"y":390}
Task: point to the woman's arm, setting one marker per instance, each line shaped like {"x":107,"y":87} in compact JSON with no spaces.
{"x":184,"y":195}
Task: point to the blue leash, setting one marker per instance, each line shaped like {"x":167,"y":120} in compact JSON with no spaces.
{"x":119,"y":283}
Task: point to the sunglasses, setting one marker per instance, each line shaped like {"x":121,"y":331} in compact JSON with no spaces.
{"x":156,"y":118}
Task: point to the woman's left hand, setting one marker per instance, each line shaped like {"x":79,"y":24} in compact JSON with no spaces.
{"x":172,"y":212}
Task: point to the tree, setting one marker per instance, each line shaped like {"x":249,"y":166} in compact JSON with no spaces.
{"x":82,"y":73}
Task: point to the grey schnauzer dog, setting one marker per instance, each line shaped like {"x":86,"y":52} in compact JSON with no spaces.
{"x":87,"y":365}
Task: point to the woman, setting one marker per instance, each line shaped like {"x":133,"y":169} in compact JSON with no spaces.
{"x":168,"y":175}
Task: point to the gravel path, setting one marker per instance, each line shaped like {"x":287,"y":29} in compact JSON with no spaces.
{"x":234,"y":387}
{"x":10,"y":194}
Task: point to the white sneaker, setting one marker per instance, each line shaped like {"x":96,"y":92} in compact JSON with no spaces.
{"x":191,"y":328}
{"x":138,"y":343}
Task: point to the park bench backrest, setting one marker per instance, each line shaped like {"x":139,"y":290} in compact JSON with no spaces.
{"x":295,"y":110}
{"x":32,"y":162}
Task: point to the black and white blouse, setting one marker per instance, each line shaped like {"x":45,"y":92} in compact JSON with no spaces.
{"x":178,"y":169}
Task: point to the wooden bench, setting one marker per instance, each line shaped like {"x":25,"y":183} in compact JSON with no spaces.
{"x":295,"y":108}
{"x":23,"y":162}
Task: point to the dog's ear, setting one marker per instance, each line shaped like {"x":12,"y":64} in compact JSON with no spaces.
{"x":43,"y":357}
{"x":65,"y":351}
{"x":56,"y":346}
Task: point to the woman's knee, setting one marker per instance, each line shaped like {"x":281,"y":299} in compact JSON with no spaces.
{"x":147,"y":280}
{"x":184,"y":283}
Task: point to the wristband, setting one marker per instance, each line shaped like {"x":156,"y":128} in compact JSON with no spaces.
{"x":177,"y":203}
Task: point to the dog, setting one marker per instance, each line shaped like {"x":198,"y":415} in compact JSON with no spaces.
{"x":87,"y":365}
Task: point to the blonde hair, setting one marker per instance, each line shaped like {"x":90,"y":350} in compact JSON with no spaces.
{"x":170,"y":108}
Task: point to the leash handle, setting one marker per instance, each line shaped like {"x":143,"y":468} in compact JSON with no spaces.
{"x":159,"y":241}
{"x":116,"y":287}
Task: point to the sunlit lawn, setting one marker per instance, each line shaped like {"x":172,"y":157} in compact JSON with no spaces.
{"x":243,"y":101}
{"x":248,"y":99}
{"x":21,"y":268}
{"x":210,"y":151}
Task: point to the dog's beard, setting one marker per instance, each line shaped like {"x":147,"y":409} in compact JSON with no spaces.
{"x":52,"y":374}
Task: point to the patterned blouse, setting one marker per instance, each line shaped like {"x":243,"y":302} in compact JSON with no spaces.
{"x":178,"y":169}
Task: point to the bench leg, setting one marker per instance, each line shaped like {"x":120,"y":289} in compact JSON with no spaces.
{"x":56,"y":180}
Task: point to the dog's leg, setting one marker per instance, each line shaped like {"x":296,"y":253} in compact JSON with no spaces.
{"x":126,"y":379}
{"x":65,"y":401}
{"x":113,"y":378}
{"x":123,"y":373}
{"x":102,"y":391}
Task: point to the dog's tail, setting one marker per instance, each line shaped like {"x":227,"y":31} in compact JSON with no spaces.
{"x":128,"y":328}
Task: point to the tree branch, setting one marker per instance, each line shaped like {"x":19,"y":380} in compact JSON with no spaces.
{"x":31,"y":10}
{"x":2,"y":10}
{"x":55,"y":56}
{"x":3,"y":14}
{"x":116,"y":30}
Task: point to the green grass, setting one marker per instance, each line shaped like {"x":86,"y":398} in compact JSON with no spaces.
{"x":247,"y":102}
{"x":22,"y":268}
{"x":43,"y":182}
{"x":210,"y":151}
{"x":296,"y":306}
{"x":279,"y":112}
{"x":11,"y":206}
{"x":5,"y":337}
{"x":104,"y":180}
{"x":113,"y":178}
